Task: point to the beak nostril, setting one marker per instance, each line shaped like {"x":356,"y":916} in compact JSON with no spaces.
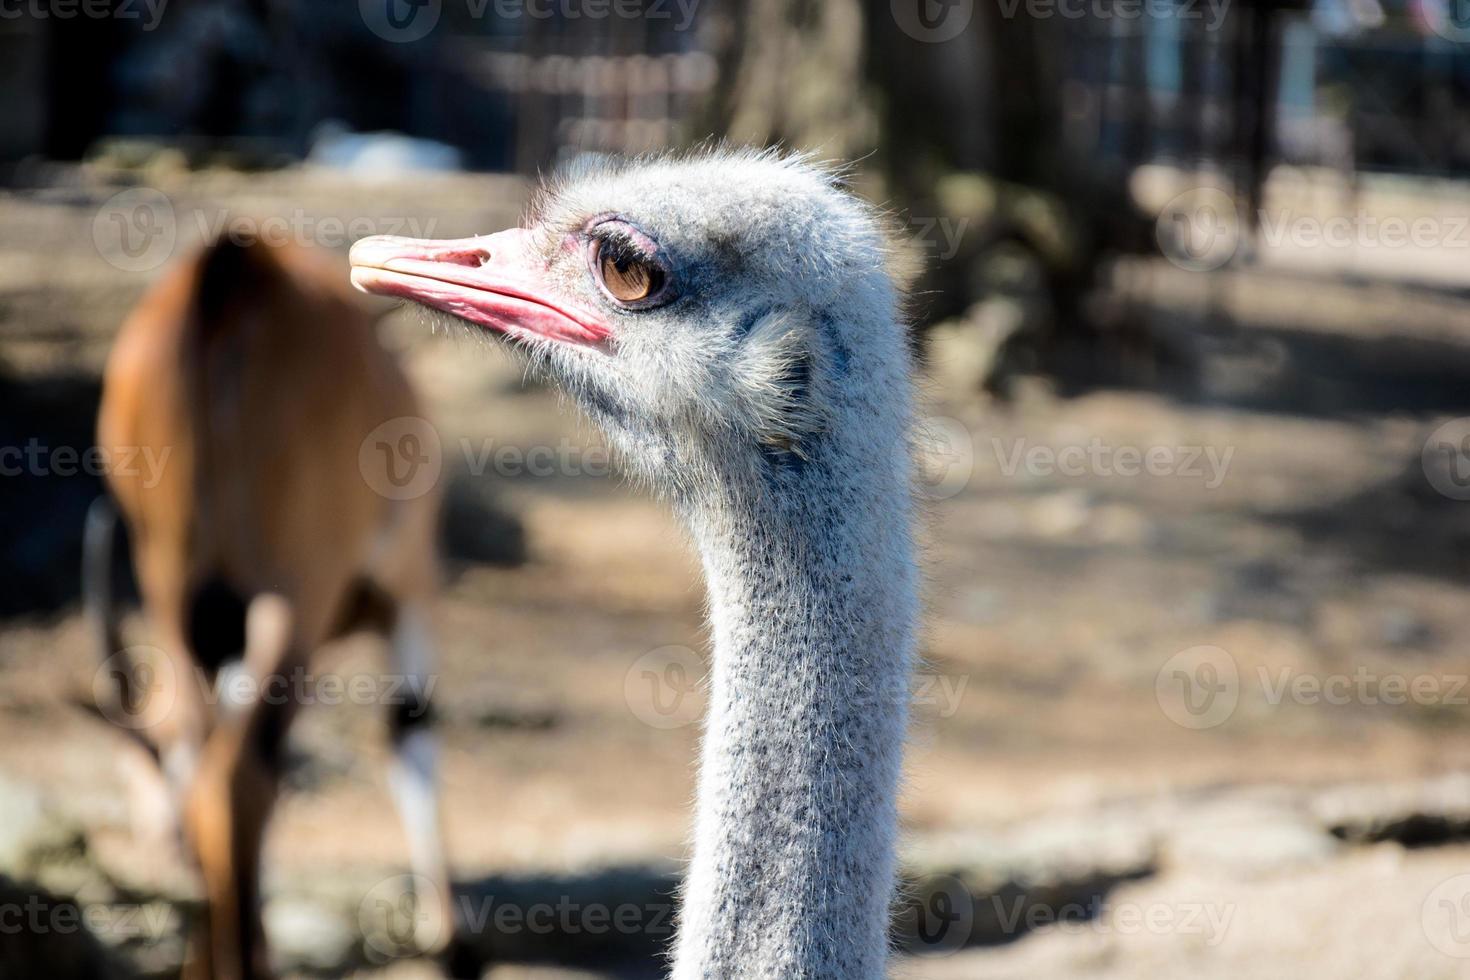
{"x":472,"y":257}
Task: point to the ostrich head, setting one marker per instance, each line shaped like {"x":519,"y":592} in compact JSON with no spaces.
{"x":728,"y":320}
{"x":707,"y":312}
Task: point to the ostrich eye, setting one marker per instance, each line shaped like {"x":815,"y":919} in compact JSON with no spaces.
{"x":626,"y":271}
{"x":629,"y":279}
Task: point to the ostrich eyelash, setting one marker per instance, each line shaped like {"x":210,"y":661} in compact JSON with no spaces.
{"x":616,"y":245}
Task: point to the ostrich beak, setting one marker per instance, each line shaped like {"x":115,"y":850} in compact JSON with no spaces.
{"x":496,"y":281}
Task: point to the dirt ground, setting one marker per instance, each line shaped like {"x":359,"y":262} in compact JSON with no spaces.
{"x":1169,"y":691}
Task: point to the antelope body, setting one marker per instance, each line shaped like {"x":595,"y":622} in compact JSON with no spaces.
{"x":270,"y":529}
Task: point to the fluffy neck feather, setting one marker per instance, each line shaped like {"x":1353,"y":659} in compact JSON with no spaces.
{"x":812,"y":590}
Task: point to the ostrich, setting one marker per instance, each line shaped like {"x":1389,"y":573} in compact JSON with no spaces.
{"x":727,"y":319}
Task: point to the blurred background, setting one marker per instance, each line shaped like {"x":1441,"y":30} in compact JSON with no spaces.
{"x":1190,"y":292}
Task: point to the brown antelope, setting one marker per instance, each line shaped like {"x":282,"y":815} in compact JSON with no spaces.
{"x":274,"y":525}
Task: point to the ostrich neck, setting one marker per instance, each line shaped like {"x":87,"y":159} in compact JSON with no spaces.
{"x":812,"y":606}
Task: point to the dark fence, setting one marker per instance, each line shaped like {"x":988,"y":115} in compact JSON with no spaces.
{"x":514,"y":84}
